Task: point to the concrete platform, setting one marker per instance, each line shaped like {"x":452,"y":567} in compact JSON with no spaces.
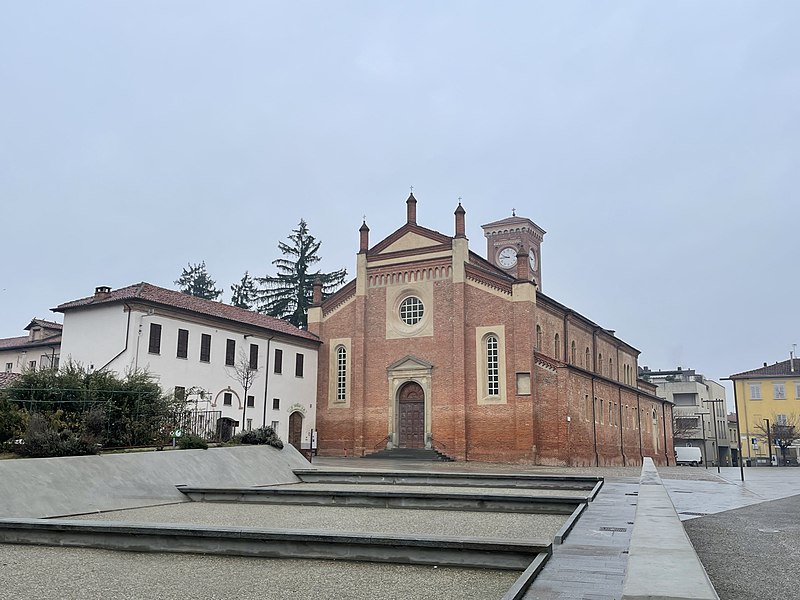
{"x":389,"y":498}
{"x":52,"y":487}
{"x":502,"y":480}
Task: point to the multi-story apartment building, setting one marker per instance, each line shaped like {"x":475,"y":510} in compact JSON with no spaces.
{"x":198,"y":349}
{"x":699,"y":412}
{"x":765,"y":397}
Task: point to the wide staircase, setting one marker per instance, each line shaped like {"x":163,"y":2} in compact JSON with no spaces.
{"x":421,"y":454}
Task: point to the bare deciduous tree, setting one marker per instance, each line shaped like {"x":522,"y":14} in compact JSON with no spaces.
{"x":245,"y":374}
{"x":783,"y":430}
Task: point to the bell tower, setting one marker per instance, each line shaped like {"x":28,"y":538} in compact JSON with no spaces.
{"x":503,"y":239}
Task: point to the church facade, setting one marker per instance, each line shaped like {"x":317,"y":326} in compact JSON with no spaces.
{"x":433,"y":346}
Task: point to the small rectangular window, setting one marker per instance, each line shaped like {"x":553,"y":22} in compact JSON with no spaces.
{"x":32,"y":365}
{"x":9,"y":367}
{"x":249,"y":424}
{"x":183,"y":343}
{"x":796,"y":390}
{"x":755,"y":391}
{"x":230,"y":352}
{"x":154,"y":347}
{"x":278,"y":360}
{"x":251,"y":401}
{"x":298,"y":365}
{"x":276,"y":403}
{"x":781,"y":420}
{"x":779,"y":391}
{"x":227,"y":399}
{"x":254,"y":356}
{"x":180,"y":393}
{"x":274,"y":426}
{"x":205,"y":348}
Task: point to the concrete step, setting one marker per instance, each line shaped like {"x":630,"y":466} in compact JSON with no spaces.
{"x":410,"y":454}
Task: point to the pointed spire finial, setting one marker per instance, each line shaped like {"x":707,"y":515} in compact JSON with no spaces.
{"x":513,"y":212}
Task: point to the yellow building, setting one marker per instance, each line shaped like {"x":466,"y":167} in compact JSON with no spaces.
{"x":770,"y":393}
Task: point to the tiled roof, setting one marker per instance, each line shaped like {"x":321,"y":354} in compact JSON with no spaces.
{"x":6,"y":379}
{"x":25,"y":342}
{"x":146,"y":292}
{"x":779,"y":369}
{"x":44,"y":324}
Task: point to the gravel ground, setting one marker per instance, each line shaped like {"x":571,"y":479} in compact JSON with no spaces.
{"x":751,"y":552}
{"x":86,"y":574}
{"x":433,"y":489}
{"x":379,"y":520}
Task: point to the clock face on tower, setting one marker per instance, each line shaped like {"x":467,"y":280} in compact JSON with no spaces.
{"x":532,"y":259}
{"x":507,"y":257}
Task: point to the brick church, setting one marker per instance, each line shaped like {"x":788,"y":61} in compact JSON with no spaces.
{"x":434,"y":346}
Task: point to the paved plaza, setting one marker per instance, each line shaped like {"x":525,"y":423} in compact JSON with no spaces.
{"x":746,"y":534}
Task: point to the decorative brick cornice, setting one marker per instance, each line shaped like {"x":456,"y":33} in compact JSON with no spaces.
{"x":480,"y":276}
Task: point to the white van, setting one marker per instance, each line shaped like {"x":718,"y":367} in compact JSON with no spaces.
{"x":688,"y":455}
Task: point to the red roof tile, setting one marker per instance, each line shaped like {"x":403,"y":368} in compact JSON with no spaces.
{"x":785,"y":369}
{"x":6,"y":379}
{"x":25,"y":342}
{"x":146,"y":292}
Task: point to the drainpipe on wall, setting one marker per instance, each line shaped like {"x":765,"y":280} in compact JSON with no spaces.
{"x":621,"y":426}
{"x":639,"y":426}
{"x":127,"y":335}
{"x":594,"y":426}
{"x":664,"y":417}
{"x":266,"y":383}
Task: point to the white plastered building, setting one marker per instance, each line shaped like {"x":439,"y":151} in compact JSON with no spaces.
{"x":194,"y":347}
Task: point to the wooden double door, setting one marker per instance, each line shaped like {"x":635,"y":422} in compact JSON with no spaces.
{"x":411,"y":416}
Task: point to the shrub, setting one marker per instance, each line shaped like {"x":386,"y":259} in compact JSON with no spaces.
{"x":43,"y":440}
{"x":262,"y":435}
{"x":192,"y":442}
{"x":12,"y":421}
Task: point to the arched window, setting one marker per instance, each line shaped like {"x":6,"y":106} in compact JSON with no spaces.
{"x":557,"y":349}
{"x":492,"y":367}
{"x":588,"y":359}
{"x":574,"y":357}
{"x":538,"y":338}
{"x":341,"y":374}
{"x":600,"y":363}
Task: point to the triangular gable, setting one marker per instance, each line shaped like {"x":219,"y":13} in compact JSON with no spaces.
{"x":410,"y":237}
{"x":410,"y":363}
{"x":410,"y":241}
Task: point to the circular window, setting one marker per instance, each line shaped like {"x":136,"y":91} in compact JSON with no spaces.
{"x":411,"y":310}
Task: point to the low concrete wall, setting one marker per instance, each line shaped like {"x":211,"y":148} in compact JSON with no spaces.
{"x":662,"y":563}
{"x":51,"y":487}
{"x":272,"y":543}
{"x":393,"y":498}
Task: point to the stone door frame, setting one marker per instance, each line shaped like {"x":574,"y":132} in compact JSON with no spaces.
{"x":409,"y":368}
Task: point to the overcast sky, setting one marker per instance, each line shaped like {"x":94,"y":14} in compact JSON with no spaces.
{"x":657,"y":143}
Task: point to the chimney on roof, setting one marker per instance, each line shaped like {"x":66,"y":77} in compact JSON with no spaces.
{"x":791,"y":358}
{"x":765,"y":364}
{"x":101,"y":290}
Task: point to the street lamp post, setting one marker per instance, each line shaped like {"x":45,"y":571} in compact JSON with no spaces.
{"x":769,"y":444}
{"x":716,"y":434}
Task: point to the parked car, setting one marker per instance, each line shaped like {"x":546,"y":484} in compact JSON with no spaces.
{"x":688,"y":455}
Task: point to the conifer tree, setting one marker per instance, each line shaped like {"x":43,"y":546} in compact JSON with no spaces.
{"x":195,"y":281}
{"x":244,"y":293}
{"x":289,"y":294}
